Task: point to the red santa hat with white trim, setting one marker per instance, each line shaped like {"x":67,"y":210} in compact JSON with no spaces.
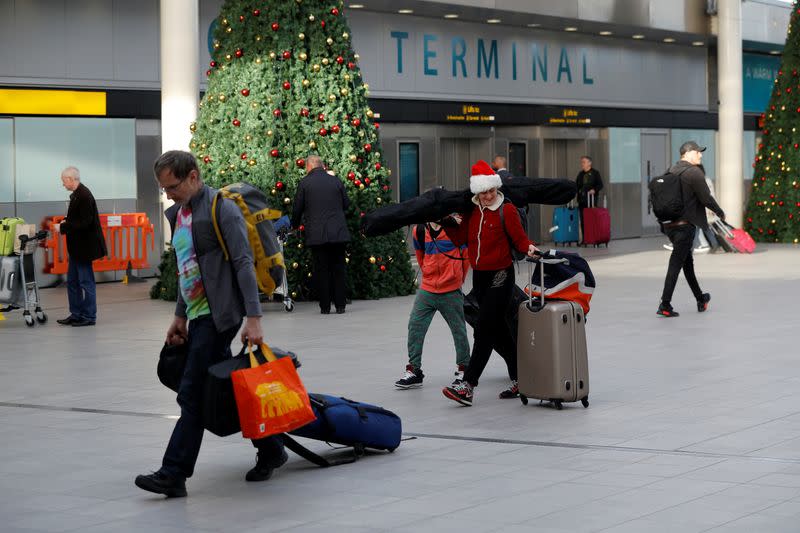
{"x":483,"y":178}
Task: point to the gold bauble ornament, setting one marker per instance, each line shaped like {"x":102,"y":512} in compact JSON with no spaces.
{"x":356,"y":56}
{"x":299,"y":245}
{"x":224,"y":67}
{"x":232,"y":166}
{"x":294,"y":294}
{"x":306,"y":83}
{"x":331,"y":97}
{"x":258,"y":61}
{"x":353,"y":158}
{"x":344,"y":91}
{"x":388,"y":171}
{"x":361,"y":187}
{"x":345,"y":35}
{"x":273,"y":192}
{"x":258,"y":38}
{"x":378,"y":200}
{"x":204,"y":146}
{"x":366,"y":86}
{"x":272,"y":55}
{"x":193,"y":127}
{"x":372,"y":260}
{"x":269,"y":133}
{"x":222,"y":172}
{"x":329,"y":41}
{"x":295,"y":265}
{"x":228,"y":30}
{"x":252,"y":162}
{"x":301,"y":36}
{"x":347,"y":77}
{"x":309,"y":275}
{"x":312,"y":144}
{"x":347,"y":260}
{"x":255,"y":105}
{"x":378,"y":155}
{"x":224,"y":22}
{"x":361,"y":133}
{"x":315,"y":67}
{"x":303,"y":56}
{"x":311,"y":18}
{"x":325,"y":61}
{"x":216,"y":45}
{"x":194,"y":145}
{"x":221,"y":97}
{"x":286,"y":165}
{"x":370,"y":114}
{"x":248,"y":137}
{"x":287,"y":200}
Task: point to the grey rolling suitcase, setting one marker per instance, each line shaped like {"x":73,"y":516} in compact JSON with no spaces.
{"x":9,"y":280}
{"x":552,"y":358}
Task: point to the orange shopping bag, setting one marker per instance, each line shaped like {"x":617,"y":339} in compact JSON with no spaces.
{"x":270,"y":398}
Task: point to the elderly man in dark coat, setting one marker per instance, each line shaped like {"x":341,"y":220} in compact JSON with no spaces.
{"x":320,"y":204}
{"x":85,"y":243}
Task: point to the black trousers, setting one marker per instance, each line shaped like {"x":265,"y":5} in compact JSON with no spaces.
{"x":329,"y":274}
{"x":493,"y":290}
{"x":207,"y":346}
{"x":682,"y":239}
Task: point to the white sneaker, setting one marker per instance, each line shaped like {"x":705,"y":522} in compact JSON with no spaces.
{"x":459,"y":373}
{"x":668,"y":247}
{"x":702,"y":249}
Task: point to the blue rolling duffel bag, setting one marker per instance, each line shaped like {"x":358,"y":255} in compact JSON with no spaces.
{"x":565,"y":219}
{"x":352,"y":424}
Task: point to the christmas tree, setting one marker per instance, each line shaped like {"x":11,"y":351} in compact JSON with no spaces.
{"x":773,"y":211}
{"x":166,"y":287}
{"x":284,"y":83}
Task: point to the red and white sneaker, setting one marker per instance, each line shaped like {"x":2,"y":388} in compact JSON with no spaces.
{"x":460,"y":392}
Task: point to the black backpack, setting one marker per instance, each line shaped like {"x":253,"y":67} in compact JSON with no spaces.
{"x":523,"y":218}
{"x":666,"y":197}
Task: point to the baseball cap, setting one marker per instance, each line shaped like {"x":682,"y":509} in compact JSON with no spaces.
{"x":688,"y":146}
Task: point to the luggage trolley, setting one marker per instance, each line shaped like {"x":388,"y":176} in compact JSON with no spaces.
{"x":18,"y":281}
{"x":283,"y":231}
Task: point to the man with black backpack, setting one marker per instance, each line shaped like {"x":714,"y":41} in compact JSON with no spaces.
{"x":679,"y":199}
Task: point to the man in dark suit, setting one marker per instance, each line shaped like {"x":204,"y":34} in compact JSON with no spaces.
{"x":320,"y":202}
{"x":85,"y":243}
{"x":589,"y":184}
{"x":499,"y":166}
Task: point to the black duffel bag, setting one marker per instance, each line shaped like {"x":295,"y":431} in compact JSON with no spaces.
{"x":220,"y":415}
{"x":171,"y":362}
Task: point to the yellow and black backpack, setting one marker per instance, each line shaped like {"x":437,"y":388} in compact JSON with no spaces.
{"x":258,"y":217}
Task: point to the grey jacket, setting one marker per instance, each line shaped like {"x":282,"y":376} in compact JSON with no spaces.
{"x":230,"y":286}
{"x":696,"y":194}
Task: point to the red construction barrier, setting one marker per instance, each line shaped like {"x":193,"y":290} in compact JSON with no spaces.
{"x":126,"y":239}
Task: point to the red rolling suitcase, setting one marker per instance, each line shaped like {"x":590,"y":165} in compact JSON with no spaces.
{"x":596,"y":224}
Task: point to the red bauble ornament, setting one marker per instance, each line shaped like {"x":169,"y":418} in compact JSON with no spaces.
{"x":385,"y":188}
{"x":335,"y":12}
{"x":351,"y":65}
{"x":236,"y":122}
{"x":256,"y":12}
{"x":287,"y":54}
{"x":367,"y":147}
{"x":322,"y":23}
{"x":241,"y":18}
{"x":277,"y":113}
{"x":323,"y":132}
{"x":213,"y":64}
{"x":302,"y":227}
{"x":749,"y":219}
{"x":383,"y":268}
{"x":780,"y":203}
{"x":304,"y":112}
{"x":287,"y":85}
{"x":244,"y":155}
{"x":274,"y":152}
{"x":360,"y":160}
{"x":245,"y":92}
{"x":275,"y":26}
{"x":367,"y":181}
{"x":351,"y":175}
{"x":335,"y":128}
{"x":362,"y":213}
{"x":377,"y":166}
{"x":206,"y":160}
{"x":280,"y":185}
{"x":356,"y":122}
{"x":357,"y":183}
{"x":340,"y":60}
{"x":321,"y":117}
{"x":208,"y":72}
{"x":301,"y":163}
{"x":239,"y":52}
{"x":377,"y":126}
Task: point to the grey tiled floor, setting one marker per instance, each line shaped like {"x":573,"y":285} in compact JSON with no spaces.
{"x":694,"y":423}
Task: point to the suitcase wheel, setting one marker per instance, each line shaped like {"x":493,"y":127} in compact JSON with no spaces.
{"x":585,"y":402}
{"x":558,"y":405}
{"x":28,"y":320}
{"x":523,"y":399}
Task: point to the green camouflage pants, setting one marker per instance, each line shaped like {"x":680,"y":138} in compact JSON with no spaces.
{"x":451,"y":306}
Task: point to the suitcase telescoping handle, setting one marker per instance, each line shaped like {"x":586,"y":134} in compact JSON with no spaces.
{"x":540,"y":258}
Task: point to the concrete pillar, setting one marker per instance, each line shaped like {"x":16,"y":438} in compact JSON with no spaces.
{"x":180,"y":76}
{"x":731,"y":111}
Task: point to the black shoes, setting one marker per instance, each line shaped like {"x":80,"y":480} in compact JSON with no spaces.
{"x":67,"y":321}
{"x":666,"y":310}
{"x":411,"y":380}
{"x":511,"y":392}
{"x":161,"y":483}
{"x":702,"y":303}
{"x":340,"y":310}
{"x":81,"y":323}
{"x":324,"y":311}
{"x":460,"y":392}
{"x":265,"y":466}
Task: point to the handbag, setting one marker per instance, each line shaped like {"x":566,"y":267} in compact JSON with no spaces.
{"x":171,"y":362}
{"x":270,"y":397}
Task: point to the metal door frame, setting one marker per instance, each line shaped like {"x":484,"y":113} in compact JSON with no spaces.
{"x":651,"y":228}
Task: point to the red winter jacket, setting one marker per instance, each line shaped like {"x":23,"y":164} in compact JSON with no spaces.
{"x":487,"y":240}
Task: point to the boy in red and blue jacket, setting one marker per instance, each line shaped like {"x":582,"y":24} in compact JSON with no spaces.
{"x":444,"y":267}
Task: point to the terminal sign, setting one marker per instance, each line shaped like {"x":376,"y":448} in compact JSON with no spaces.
{"x":569,"y":117}
{"x":470,"y":113}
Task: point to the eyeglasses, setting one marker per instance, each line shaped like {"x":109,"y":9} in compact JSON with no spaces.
{"x":172,"y":188}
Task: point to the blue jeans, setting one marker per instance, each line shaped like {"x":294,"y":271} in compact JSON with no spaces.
{"x":81,"y":290}
{"x":206,"y":348}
